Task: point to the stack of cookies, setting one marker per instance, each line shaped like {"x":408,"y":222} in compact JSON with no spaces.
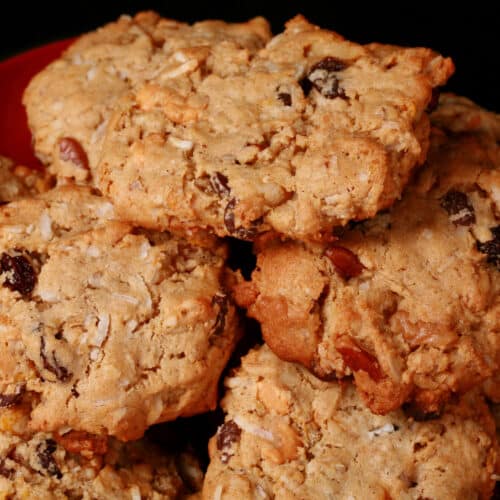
{"x":372,"y":206}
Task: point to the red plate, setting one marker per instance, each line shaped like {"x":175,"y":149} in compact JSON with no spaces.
{"x":15,"y":74}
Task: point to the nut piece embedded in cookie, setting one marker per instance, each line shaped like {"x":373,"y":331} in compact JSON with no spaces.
{"x":69,"y":103}
{"x":290,"y":435}
{"x":407,"y":302}
{"x":114,"y":328}
{"x":309,"y":133}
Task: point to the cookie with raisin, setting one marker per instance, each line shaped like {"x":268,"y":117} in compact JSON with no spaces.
{"x":79,"y":465}
{"x":69,"y":103}
{"x":309,"y":133}
{"x":288,"y":434}
{"x":407,"y":302}
{"x":112,"y":327}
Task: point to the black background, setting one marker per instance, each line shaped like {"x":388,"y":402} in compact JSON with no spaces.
{"x":469,"y":34}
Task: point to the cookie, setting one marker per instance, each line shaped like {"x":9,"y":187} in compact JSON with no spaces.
{"x":310,"y":133}
{"x":112,"y":327}
{"x":17,"y":181}
{"x":69,"y":103}
{"x":290,"y":435}
{"x":409,"y":301}
{"x":75,"y":465}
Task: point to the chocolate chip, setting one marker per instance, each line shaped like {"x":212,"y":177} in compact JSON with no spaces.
{"x":7,"y":400}
{"x":346,"y":262}
{"x":323,"y":77}
{"x":20,"y":274}
{"x":51,"y":364}
{"x":72,"y":151}
{"x":45,"y":451}
{"x":243,"y":233}
{"x":74,"y":392}
{"x":285,"y":98}
{"x":492,"y":248}
{"x":460,"y":210}
{"x":219,"y":183}
{"x":228,"y":434}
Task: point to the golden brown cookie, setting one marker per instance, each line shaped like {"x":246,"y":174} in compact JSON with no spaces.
{"x":114,"y":328}
{"x":309,"y":133}
{"x":69,"y":103}
{"x":79,"y":465}
{"x":290,"y":435}
{"x":407,"y":302}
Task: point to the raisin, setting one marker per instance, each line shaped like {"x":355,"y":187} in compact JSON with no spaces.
{"x":306,"y":86}
{"x":72,"y":151}
{"x":323,"y":77}
{"x":346,"y":262}
{"x":7,"y":473}
{"x":228,"y":434}
{"x":357,"y":359}
{"x":243,"y":233}
{"x":20,"y":275}
{"x":219,"y":183}
{"x":285,"y":98}
{"x":51,"y":364}
{"x":221,"y":301}
{"x":7,"y":400}
{"x":45,"y":451}
{"x":460,"y":210}
{"x":492,"y":248}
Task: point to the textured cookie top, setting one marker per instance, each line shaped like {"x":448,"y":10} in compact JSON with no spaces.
{"x":69,"y":102}
{"x":76,"y":465}
{"x":113,"y":327}
{"x":17,"y":181}
{"x":289,"y":435}
{"x":309,"y":133}
{"x":409,"y":302}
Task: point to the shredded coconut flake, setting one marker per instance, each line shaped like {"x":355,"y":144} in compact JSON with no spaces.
{"x":131,"y":325}
{"x":181,"y":70}
{"x":143,"y":253}
{"x":126,"y":298}
{"x":254,"y":429}
{"x":379,"y":431}
{"x":91,"y":73}
{"x":14,"y":229}
{"x":94,"y":354}
{"x":105,"y":210}
{"x":183,"y":144}
{"x":93,"y":251}
{"x":218,"y":492}
{"x":102,"y":329}
{"x":180,"y":57}
{"x":135,"y":493}
{"x":48,"y":296}
{"x":46,"y":226}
